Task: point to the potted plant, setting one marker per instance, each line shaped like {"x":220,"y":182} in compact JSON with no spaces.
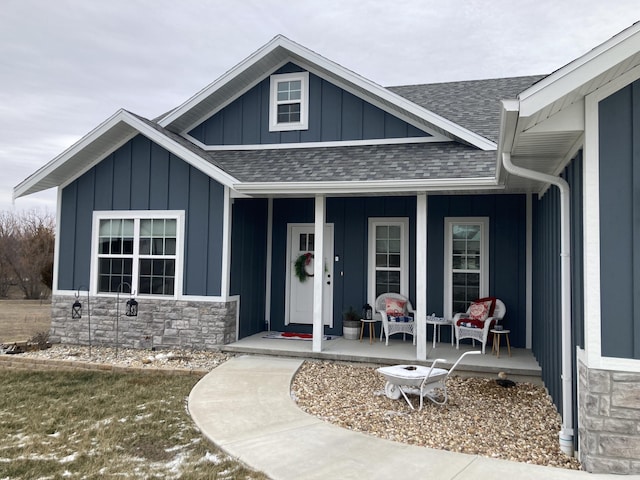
{"x":351,"y":324}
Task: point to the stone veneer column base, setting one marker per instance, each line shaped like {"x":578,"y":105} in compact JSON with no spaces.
{"x":160,"y":323}
{"x":609,"y":420}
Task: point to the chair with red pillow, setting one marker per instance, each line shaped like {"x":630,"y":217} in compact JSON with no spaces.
{"x":481,"y":316}
{"x":394,"y":310}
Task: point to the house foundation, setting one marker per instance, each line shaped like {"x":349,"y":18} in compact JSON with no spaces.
{"x":159,"y":324}
{"x":609,"y":415}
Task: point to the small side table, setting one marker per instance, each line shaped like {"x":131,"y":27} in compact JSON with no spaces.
{"x":437,"y":323}
{"x":371,"y":323}
{"x":497,"y":334}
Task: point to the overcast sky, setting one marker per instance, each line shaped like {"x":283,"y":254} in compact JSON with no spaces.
{"x":67,"y":65}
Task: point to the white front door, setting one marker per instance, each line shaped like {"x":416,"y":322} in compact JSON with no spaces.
{"x":300,"y":251}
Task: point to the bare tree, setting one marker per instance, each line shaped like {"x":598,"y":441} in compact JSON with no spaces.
{"x":26,"y":251}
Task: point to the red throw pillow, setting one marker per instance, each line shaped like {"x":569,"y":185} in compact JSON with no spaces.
{"x":395,"y":307}
{"x":492,"y":307}
{"x":479,"y":311}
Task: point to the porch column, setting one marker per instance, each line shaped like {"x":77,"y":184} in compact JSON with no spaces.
{"x":421,"y":276}
{"x":318,"y":277}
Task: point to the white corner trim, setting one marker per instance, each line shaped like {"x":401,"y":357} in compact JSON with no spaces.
{"x":226,"y":244}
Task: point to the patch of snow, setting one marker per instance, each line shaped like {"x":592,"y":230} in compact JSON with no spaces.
{"x":176,"y":464}
{"x":54,"y":435}
{"x":69,"y":458}
{"x":213,"y":458}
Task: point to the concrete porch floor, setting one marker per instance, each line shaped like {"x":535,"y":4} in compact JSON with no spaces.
{"x":521,"y":366}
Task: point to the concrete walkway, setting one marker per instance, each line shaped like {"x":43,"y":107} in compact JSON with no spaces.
{"x":244,"y":407}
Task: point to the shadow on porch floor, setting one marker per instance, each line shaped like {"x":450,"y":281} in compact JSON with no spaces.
{"x":521,"y":366}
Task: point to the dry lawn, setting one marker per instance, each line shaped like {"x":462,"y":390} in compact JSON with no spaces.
{"x":22,"y":319}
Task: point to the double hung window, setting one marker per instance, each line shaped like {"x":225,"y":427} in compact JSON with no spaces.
{"x":388,"y":254}
{"x":466,"y":262}
{"x":288,"y":108}
{"x":138,"y":254}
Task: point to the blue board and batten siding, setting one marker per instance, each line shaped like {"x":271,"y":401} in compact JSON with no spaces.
{"x":507,"y":252}
{"x":249,"y":263}
{"x":547,"y":300}
{"x":334,"y":115}
{"x":350,"y":218}
{"x":619,"y":171}
{"x":141,"y":175}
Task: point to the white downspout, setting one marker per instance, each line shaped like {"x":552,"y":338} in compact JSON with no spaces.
{"x":566,"y":433}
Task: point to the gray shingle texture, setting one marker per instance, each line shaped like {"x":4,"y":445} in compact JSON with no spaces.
{"x":473,"y":104}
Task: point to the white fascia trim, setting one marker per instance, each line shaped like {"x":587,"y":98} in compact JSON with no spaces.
{"x":316,"y":64}
{"x":121,"y":116}
{"x":436,"y":138}
{"x":395,"y":186}
{"x":178,"y":150}
{"x":580,"y":71}
{"x":221,"y":81}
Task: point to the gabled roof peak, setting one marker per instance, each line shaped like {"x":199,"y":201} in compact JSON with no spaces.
{"x":281,"y":50}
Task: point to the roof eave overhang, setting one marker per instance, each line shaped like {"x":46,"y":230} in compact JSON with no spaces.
{"x":99,"y":143}
{"x":570,"y":77}
{"x":279,"y":51}
{"x":365,"y":187}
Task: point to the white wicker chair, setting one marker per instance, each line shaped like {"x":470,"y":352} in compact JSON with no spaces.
{"x":480,"y":334}
{"x":391,"y":328}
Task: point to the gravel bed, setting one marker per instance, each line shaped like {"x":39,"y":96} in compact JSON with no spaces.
{"x":482,"y":418}
{"x":128,"y":357}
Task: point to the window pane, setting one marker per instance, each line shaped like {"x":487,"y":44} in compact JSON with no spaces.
{"x":157,"y":246}
{"x":381,"y":260}
{"x":157,"y":228}
{"x":382,"y":245}
{"x":394,"y":232}
{"x":382,"y":232}
{"x":311,"y":242}
{"x":145,"y":267}
{"x":145,"y":228}
{"x":170,"y":228}
{"x":303,"y":241}
{"x":170,"y":246}
{"x":394,"y":246}
{"x":127,"y":228}
{"x":145,"y":246}
{"x":458,"y":263}
{"x":144,"y":285}
{"x":170,"y":268}
{"x":127,"y":246}
{"x":394,"y":261}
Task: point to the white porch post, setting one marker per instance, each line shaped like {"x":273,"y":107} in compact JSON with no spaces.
{"x":421,"y":276}
{"x":318,"y":277}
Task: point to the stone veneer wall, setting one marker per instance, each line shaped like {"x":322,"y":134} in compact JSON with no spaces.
{"x":159,"y":324}
{"x":609,"y":420}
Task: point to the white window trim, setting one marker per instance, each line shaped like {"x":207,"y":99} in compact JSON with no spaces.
{"x":403,"y":223}
{"x":303,"y":124}
{"x":178,"y":215}
{"x":448,"y":265}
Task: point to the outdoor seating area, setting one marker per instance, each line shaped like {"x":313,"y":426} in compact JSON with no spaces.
{"x":481,"y":316}
{"x":397,"y":316}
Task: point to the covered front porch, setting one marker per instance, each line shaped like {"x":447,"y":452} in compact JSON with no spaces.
{"x":520,"y":366}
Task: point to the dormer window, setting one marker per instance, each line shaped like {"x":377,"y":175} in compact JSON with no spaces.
{"x":289,"y":104}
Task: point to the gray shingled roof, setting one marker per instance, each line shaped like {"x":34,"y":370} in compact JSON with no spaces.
{"x":474,"y":104}
{"x":366,"y":162}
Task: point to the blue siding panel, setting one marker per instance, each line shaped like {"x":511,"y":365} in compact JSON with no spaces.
{"x":140,"y":169}
{"x":216,"y":233}
{"x":334,"y":115}
{"x":331,"y":124}
{"x":120,"y":182}
{"x":249,"y":263}
{"x":67,"y":241}
{"x":159,"y":178}
{"x":619,"y":232}
{"x":104,"y":188}
{"x":122,"y":178}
